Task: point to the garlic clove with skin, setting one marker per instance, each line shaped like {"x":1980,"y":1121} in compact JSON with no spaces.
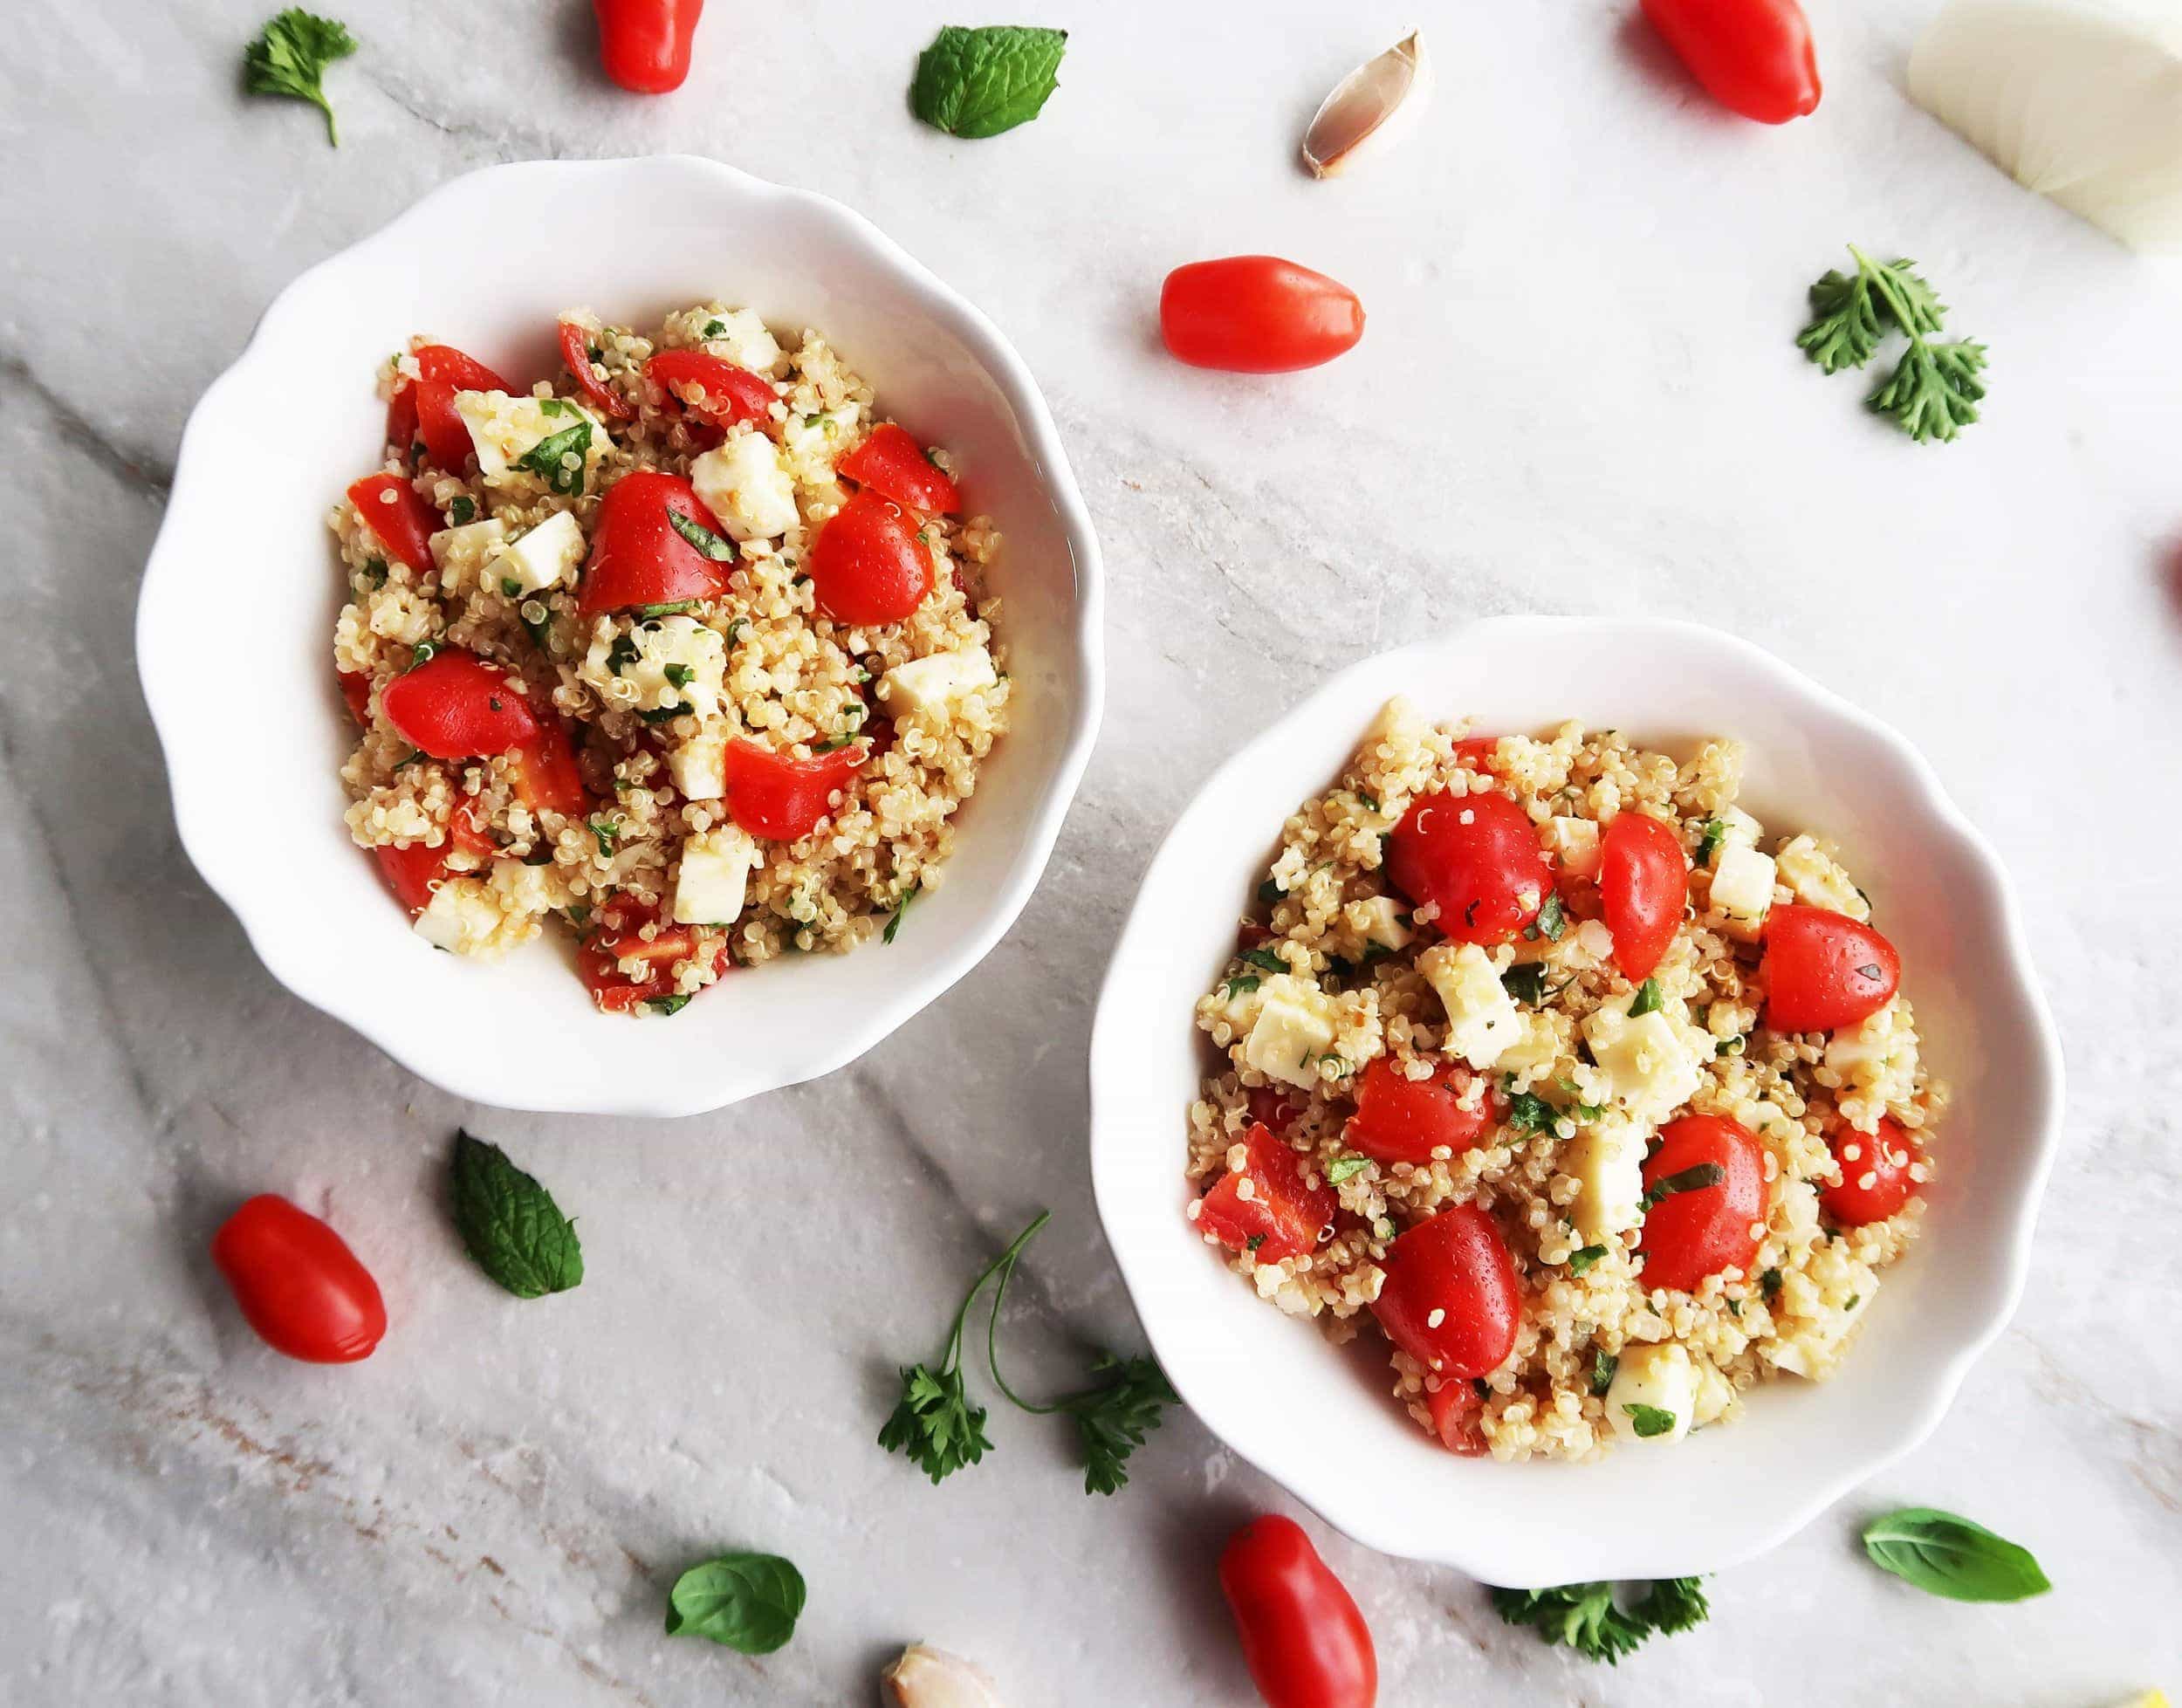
{"x":1370,"y":110}
{"x":926,"y":1677}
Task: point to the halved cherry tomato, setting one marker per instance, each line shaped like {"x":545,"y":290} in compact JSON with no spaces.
{"x":1456,"y":1413}
{"x":412,"y":873}
{"x":425,"y":409}
{"x":1753,"y":57}
{"x":1480,"y":753}
{"x":895,"y":466}
{"x":1691,"y":1234}
{"x":547,"y":778}
{"x":402,"y":434}
{"x":466,"y":831}
{"x":1257,"y":314}
{"x":1270,"y":1108}
{"x":1876,"y":1180}
{"x":404,"y":523}
{"x":1451,"y":1298}
{"x":298,"y":1283}
{"x":1282,"y":1214}
{"x":637,"y":558}
{"x":455,"y":706}
{"x":1402,"y":1120}
{"x":868,"y":565}
{"x":729,"y":394}
{"x":1823,"y":971}
{"x":447,"y":441}
{"x":615,"y":933}
{"x":1304,"y":1641}
{"x":444,"y":364}
{"x":781,"y":798}
{"x":1477,"y":858}
{"x":356,"y":694}
{"x":1643,"y":882}
{"x":644,"y":45}
{"x":575,"y":355}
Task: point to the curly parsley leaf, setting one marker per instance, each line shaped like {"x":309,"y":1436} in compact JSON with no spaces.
{"x":933,"y":1424}
{"x":748,"y":1601}
{"x":290,"y":56}
{"x":1112,"y":1420}
{"x":1587,"y":1618}
{"x":1933,"y":391}
{"x":510,"y":1223}
{"x":976,"y":82}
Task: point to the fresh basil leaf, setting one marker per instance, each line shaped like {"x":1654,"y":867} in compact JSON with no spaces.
{"x":543,"y":458}
{"x":1266,"y":960}
{"x":673,"y":608}
{"x":748,"y":1601}
{"x":673,"y":1005}
{"x":901,"y":912}
{"x":422,"y":654}
{"x":1580,"y":1262}
{"x":1345,"y":1167}
{"x":1769,"y":1283}
{"x":464,"y":508}
{"x":510,"y":1223}
{"x":1649,"y":1420}
{"x":1525,"y":982}
{"x":712,"y":546}
{"x":974,"y":83}
{"x":678,"y":675}
{"x":1647,"y":999}
{"x":374,"y":571}
{"x":1708,"y":844}
{"x":1552,"y":922}
{"x":605,"y":833}
{"x":1946,"y":1555}
{"x":1270,"y":892}
{"x":1694,"y":1178}
{"x":1604,"y":1364}
{"x":1247,"y":983}
{"x":1252,"y":1244}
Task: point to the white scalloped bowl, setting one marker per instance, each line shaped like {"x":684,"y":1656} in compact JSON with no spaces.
{"x":236,"y":620}
{"x":1320,"y":1419}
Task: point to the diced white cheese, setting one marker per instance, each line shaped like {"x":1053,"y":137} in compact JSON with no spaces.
{"x":1810,"y":1346}
{"x":714,"y":878}
{"x":461,"y":917}
{"x":506,"y":429}
{"x":815,"y":441}
{"x":934,"y":683}
{"x":1607,"y":1160}
{"x":1815,"y":876}
{"x":1536,"y":1050}
{"x":1715,"y":1393}
{"x":744,"y":340}
{"x":679,"y":662}
{"x":544,"y":556}
{"x":743,"y":483}
{"x":1648,"y":1070}
{"x":519,"y":888}
{"x":699,"y":764}
{"x":460,"y":553}
{"x":1574,"y":843}
{"x":1482,"y":1018}
{"x":1740,"y":827}
{"x":1649,"y":1380}
{"x":1742,"y":885}
{"x":1295,"y":1026}
{"x":1378,"y":919}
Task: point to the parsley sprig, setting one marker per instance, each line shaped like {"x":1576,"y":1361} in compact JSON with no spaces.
{"x":1933,"y":391}
{"x":290,"y":56}
{"x":935,"y":1425}
{"x":1587,"y":1618}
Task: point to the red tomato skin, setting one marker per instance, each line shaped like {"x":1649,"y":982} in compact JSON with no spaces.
{"x":575,"y":355}
{"x":895,"y":466}
{"x":1257,"y":314}
{"x":356,"y":695}
{"x":298,"y":1284}
{"x":448,"y":370}
{"x":1402,"y":1120}
{"x":1489,"y":876}
{"x":1852,"y":1205}
{"x":412,"y":873}
{"x":1456,"y":1264}
{"x":1456,"y":1409}
{"x":402,"y":434}
{"x":405,"y":525}
{"x":1282,"y":1213}
{"x":547,"y":778}
{"x":868,"y":565}
{"x":455,"y":706}
{"x":1691,"y":1235}
{"x":1753,"y":57}
{"x":1480,"y":753}
{"x":1824,"y":971}
{"x":636,"y":556}
{"x":616,"y":933}
{"x":644,"y":45}
{"x":1270,"y":1108}
{"x":449,"y":366}
{"x":1644,"y":883}
{"x":782,"y":799}
{"x":732,"y":395}
{"x":447,"y":442}
{"x":1306,"y":1644}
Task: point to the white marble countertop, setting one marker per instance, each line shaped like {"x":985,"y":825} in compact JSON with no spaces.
{"x":1578,"y":392}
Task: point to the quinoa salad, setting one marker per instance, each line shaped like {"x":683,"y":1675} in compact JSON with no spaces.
{"x":687,"y":648}
{"x":1596,"y":1097}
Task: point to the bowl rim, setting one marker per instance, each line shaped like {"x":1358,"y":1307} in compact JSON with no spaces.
{"x":313,"y":978}
{"x":2012,"y":1235}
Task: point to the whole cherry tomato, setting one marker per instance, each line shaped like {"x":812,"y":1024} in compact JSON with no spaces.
{"x":638,"y":557}
{"x":1402,"y":1120}
{"x":1753,"y":57}
{"x":1823,"y":971}
{"x":404,"y":523}
{"x":455,"y":706}
{"x":1304,"y":1641}
{"x":868,"y":565}
{"x":1876,"y":1180}
{"x":713,"y":388}
{"x":298,"y":1283}
{"x":781,"y":798}
{"x":1476,"y":857}
{"x":1257,"y":314}
{"x":644,"y":45}
{"x":1701,"y":1230}
{"x":1643,"y":883}
{"x":575,"y":355}
{"x":1451,"y":1298}
{"x":1282,"y":1215}
{"x":895,"y":466}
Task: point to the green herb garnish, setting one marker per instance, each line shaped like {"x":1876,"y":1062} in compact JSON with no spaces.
{"x":1946,"y":1555}
{"x":974,"y":83}
{"x":1266,"y":960}
{"x":1581,"y":1261}
{"x":673,"y":1005}
{"x":1529,"y":1113}
{"x":1345,"y":1167}
{"x":674,"y":609}
{"x":1694,"y":1178}
{"x":715,"y":548}
{"x":1646,"y":1001}
{"x":1769,"y":1283}
{"x":510,"y":1223}
{"x":1709,"y":843}
{"x":290,"y":56}
{"x":462,"y":509}
{"x":665,"y":714}
{"x":1525,"y":982}
{"x":605,"y":833}
{"x":747,"y":1601}
{"x":544,"y":458}
{"x":621,"y":654}
{"x":1604,"y":1364}
{"x":678,"y":675}
{"x":1934,"y":390}
{"x":1587,"y":1618}
{"x":1269,"y":892}
{"x":901,"y":912}
{"x":1648,"y":1421}
{"x":1552,"y":921}
{"x":1241,"y":985}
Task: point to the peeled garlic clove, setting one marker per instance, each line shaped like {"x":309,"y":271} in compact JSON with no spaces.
{"x":929,"y":1677}
{"x":1370,"y":110}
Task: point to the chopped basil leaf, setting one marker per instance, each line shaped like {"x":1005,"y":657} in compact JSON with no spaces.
{"x":712,"y":546}
{"x":665,"y":714}
{"x":423,"y":656}
{"x":1649,"y":1420}
{"x":544,"y":458}
{"x":1728,"y":1046}
{"x":673,"y":1005}
{"x":714,"y":328}
{"x":1529,"y":1113}
{"x":409,"y":759}
{"x":678,"y":675}
{"x":1238,"y":987}
{"x":1266,"y":960}
{"x":1604,"y":1364}
{"x":620,"y":655}
{"x":1270,"y":892}
{"x":511,"y":586}
{"x":901,"y":912}
{"x":1695,"y":1178}
{"x":462,"y":509}
{"x":374,"y":571}
{"x":1254,"y":1242}
{"x":1526,"y":983}
{"x":538,"y":628}
{"x":1769,"y":1283}
{"x":1552,"y":921}
{"x":1708,"y":844}
{"x":668,"y":610}
{"x":1345,"y":1167}
{"x":1580,"y":1262}
{"x":1646,"y":1001}
{"x":605,"y":833}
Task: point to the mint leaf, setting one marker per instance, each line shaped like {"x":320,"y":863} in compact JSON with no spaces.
{"x":749,"y":1602}
{"x":289,"y":58}
{"x":975,"y":83}
{"x":510,"y":1224}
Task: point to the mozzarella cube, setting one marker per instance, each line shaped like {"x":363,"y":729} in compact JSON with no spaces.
{"x":1649,"y":1071}
{"x":743,"y":339}
{"x":1535,"y":1050}
{"x":1378,"y":919}
{"x":1739,"y":829}
{"x":678,"y":664}
{"x":461,"y":917}
{"x":1811,"y":1346}
{"x":1482,"y":1018}
{"x":506,"y":429}
{"x":1652,"y":1379}
{"x":459,"y":554}
{"x":543,"y":557}
{"x":1575,"y":844}
{"x":743,"y":483}
{"x":1815,"y":876}
{"x":1607,"y":1160}
{"x":931,"y":685}
{"x":1293,"y":1027}
{"x":699,"y":764}
{"x":813,"y":443}
{"x":1742,"y":885}
{"x":1715,"y":1394}
{"x":714,"y":878}
{"x":520,"y":889}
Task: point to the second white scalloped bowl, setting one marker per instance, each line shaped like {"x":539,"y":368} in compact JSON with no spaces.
{"x":235,"y":623}
{"x":1320,"y":1419}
